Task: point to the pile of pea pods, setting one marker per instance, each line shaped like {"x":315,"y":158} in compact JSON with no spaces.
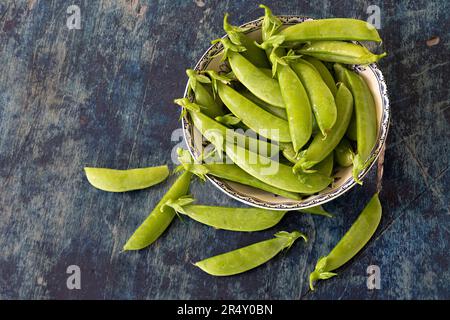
{"x":295,"y":91}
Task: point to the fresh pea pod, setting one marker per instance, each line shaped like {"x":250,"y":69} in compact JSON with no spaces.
{"x":351,"y":131}
{"x":353,"y":241}
{"x":320,"y":97}
{"x":252,"y":53}
{"x":331,"y":29}
{"x":256,"y":118}
{"x":366,"y":118}
{"x":276,"y":174}
{"x":322,"y":146}
{"x":113,"y":180}
{"x":203,"y":96}
{"x":325,"y":166}
{"x":344,"y":153}
{"x":249,"y":257}
{"x":161,"y":216}
{"x":340,"y":51}
{"x":324,"y":73}
{"x":279,"y":112}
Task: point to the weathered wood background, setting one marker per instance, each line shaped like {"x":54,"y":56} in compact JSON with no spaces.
{"x":102,"y":96}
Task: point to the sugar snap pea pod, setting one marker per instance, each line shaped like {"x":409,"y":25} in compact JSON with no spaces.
{"x":279,"y":112}
{"x":351,"y":243}
{"x":249,"y":257}
{"x":366,"y":118}
{"x":331,"y":29}
{"x":340,"y":51}
{"x":320,"y":97}
{"x":276,"y":174}
{"x":254,"y":79}
{"x":351,"y":131}
{"x":252,"y":53}
{"x":256,"y":118}
{"x":324,"y":72}
{"x":322,"y":146}
{"x":203,"y":96}
{"x":113,"y":180}
{"x":344,"y":153}
{"x":231,"y":172}
{"x":325,"y":166}
{"x":161,"y":216}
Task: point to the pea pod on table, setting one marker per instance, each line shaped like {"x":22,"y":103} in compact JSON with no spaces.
{"x":340,"y":51}
{"x":249,"y":257}
{"x":113,"y":180}
{"x":353,"y":241}
{"x":161,"y":216}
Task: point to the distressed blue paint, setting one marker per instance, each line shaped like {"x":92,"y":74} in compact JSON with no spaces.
{"x":102,"y":96}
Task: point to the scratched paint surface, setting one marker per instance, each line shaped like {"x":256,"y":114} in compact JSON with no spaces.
{"x":102,"y":96}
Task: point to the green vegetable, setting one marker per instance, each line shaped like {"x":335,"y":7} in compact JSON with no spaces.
{"x":344,"y":153}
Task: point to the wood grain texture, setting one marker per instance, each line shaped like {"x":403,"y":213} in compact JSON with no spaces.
{"x":102,"y":96}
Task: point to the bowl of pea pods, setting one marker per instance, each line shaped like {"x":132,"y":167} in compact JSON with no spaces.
{"x":287,"y":112}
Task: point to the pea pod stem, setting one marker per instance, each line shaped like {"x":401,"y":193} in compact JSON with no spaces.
{"x":249,"y":257}
{"x":351,"y":243}
{"x":204,"y":97}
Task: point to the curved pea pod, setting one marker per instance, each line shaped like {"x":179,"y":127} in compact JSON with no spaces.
{"x":279,"y":112}
{"x":297,"y":105}
{"x":276,"y":174}
{"x":324,"y":73}
{"x":331,"y":29}
{"x":322,"y":146}
{"x":351,"y":243}
{"x":320,"y":97}
{"x":252,"y":53}
{"x":340,"y":51}
{"x":366,"y":118}
{"x":344,"y":153}
{"x":230,"y":172}
{"x":203,"y":96}
{"x":249,"y":257}
{"x":256,"y":118}
{"x":161,"y":216}
{"x":113,"y":180}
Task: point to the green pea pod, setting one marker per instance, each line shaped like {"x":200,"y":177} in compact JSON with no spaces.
{"x":353,"y":241}
{"x":340,"y":51}
{"x":344,"y":153}
{"x":331,"y":29}
{"x":325,"y":166}
{"x":324,"y":73}
{"x":297,"y":105}
{"x":279,"y":112}
{"x":322,"y":146}
{"x":249,"y":257}
{"x":351,"y":131}
{"x":366,"y":118}
{"x":161,"y":216}
{"x":252,"y":53}
{"x":256,"y":118}
{"x":113,"y":180}
{"x":276,"y":174}
{"x":203,"y":96}
{"x":318,"y":210}
{"x":320,"y":97}
{"x":233,"y":173}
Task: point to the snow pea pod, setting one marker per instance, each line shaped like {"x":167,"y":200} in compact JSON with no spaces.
{"x":249,"y":257}
{"x":322,"y":146}
{"x":331,"y":29}
{"x":203,"y":96}
{"x":279,"y":112}
{"x":161,"y":216}
{"x":340,"y":51}
{"x":366,"y":118}
{"x":351,"y":243}
{"x":344,"y":153}
{"x":320,"y":97}
{"x":256,"y":118}
{"x":113,"y":180}
{"x":276,"y":174}
{"x":297,"y":105}
{"x":252,"y":53}
{"x":324,"y":72}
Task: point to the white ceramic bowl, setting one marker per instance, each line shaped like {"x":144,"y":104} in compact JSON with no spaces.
{"x":343,"y":181}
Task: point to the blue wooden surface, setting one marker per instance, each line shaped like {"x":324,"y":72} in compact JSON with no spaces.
{"x":102,"y":96}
